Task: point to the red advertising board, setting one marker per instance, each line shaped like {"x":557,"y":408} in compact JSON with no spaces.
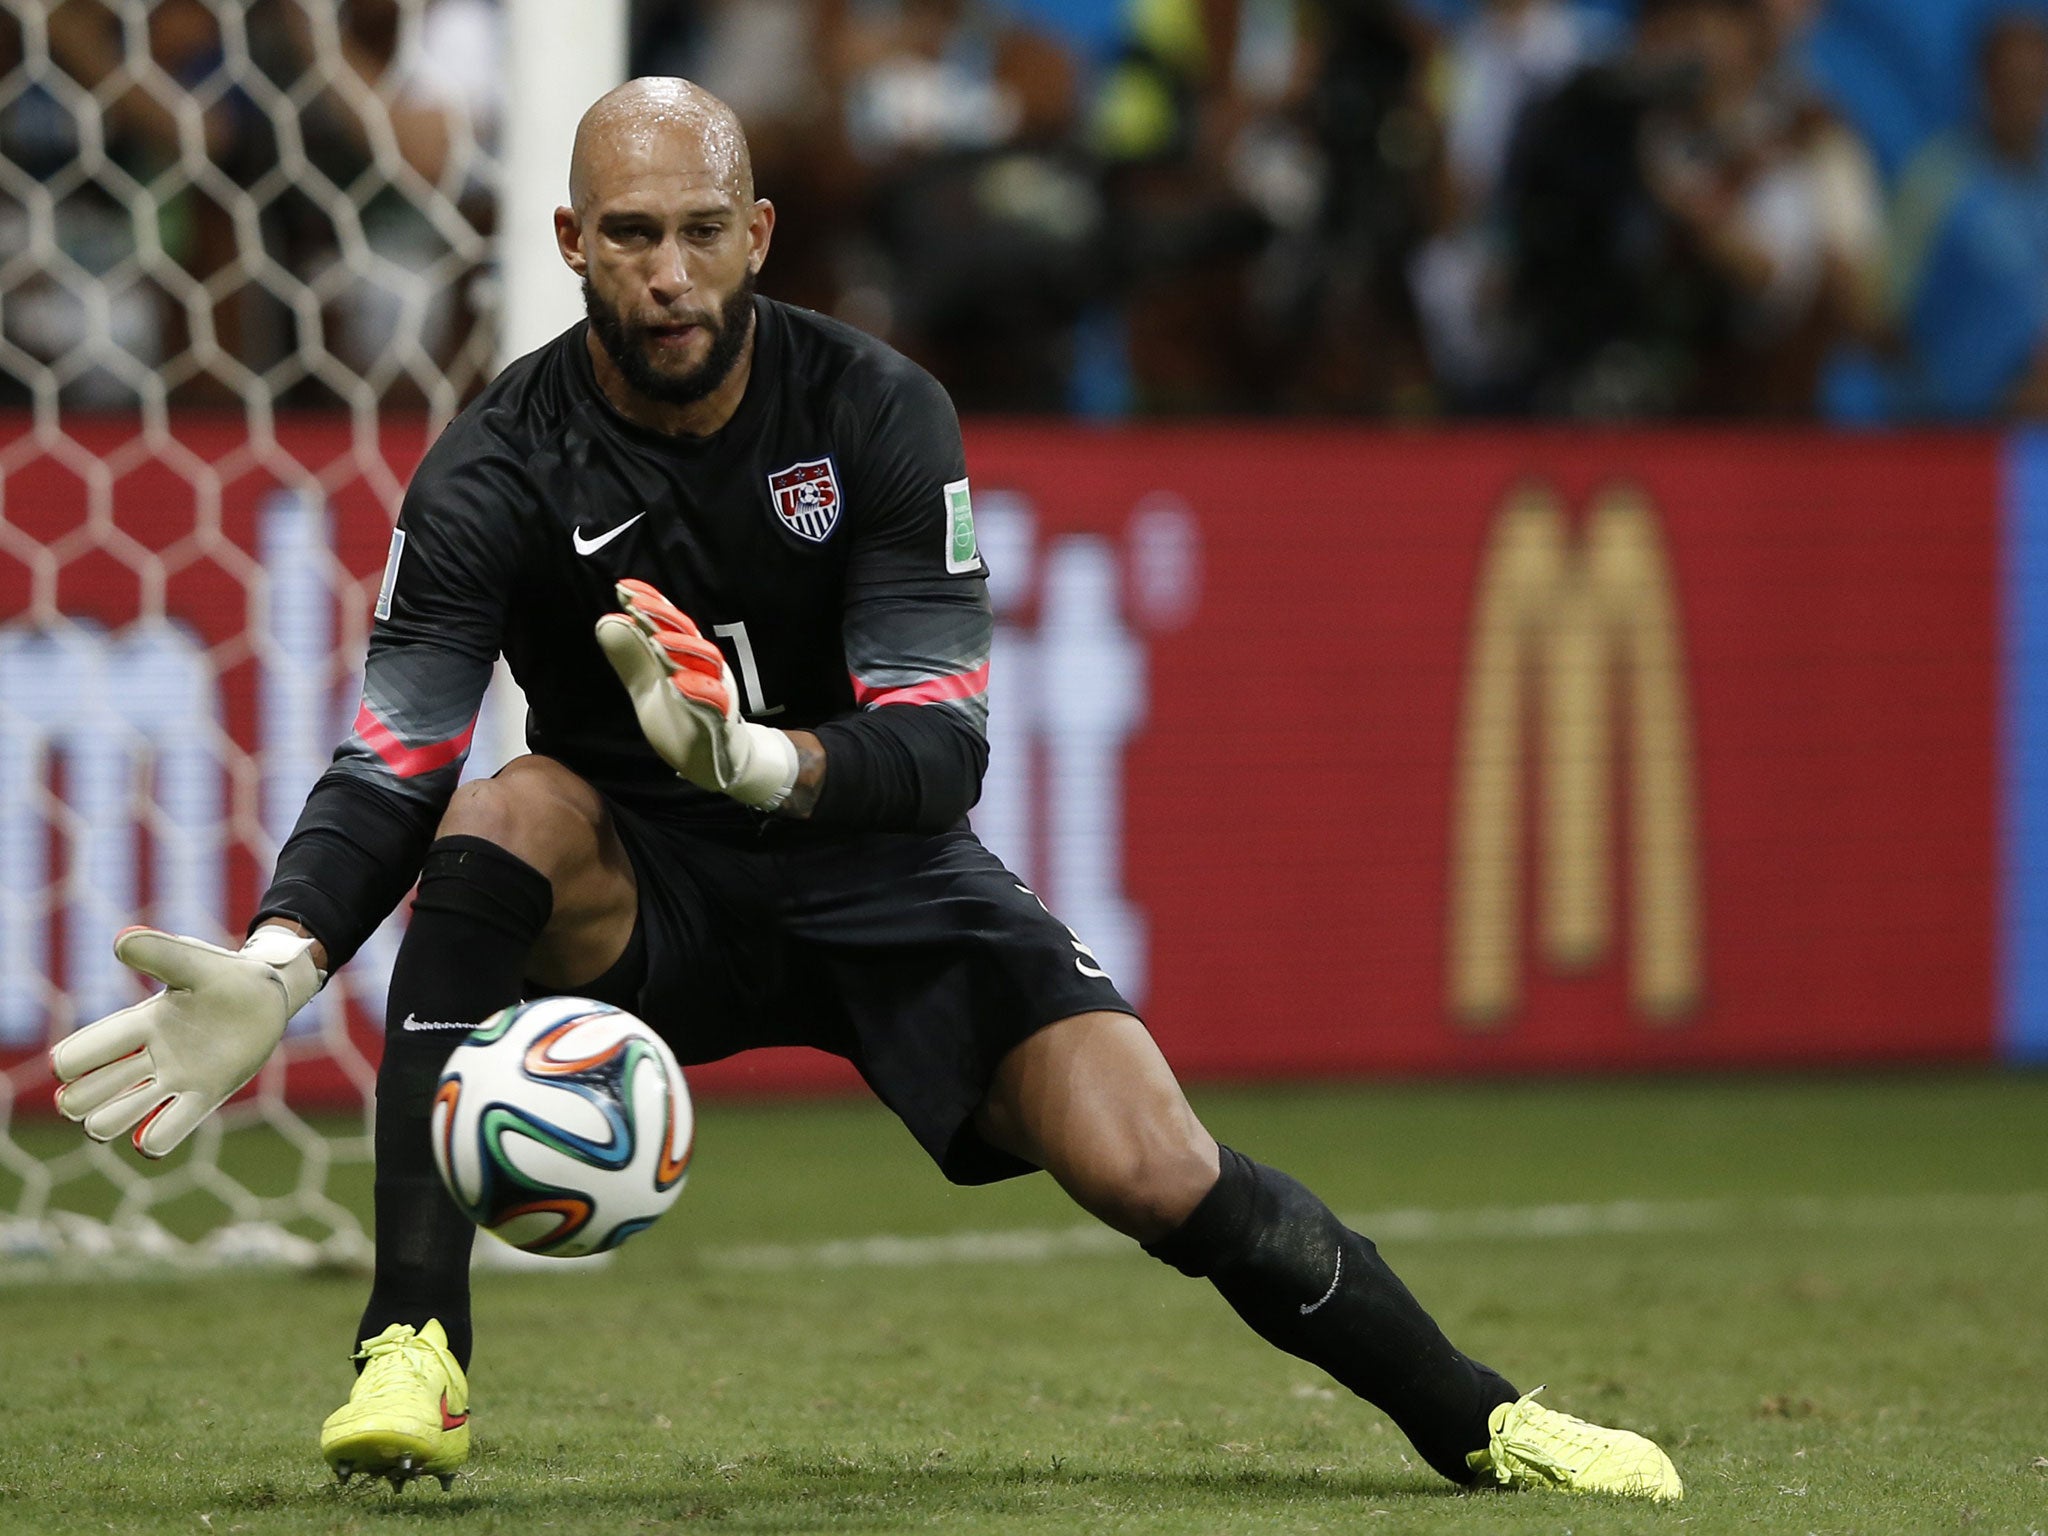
{"x":1350,"y":751}
{"x":1289,"y":803}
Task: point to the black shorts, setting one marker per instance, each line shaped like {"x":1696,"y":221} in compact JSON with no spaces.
{"x":919,"y":958}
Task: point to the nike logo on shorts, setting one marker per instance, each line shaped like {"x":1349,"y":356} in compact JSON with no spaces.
{"x":592,"y":546}
{"x":416,"y":1025}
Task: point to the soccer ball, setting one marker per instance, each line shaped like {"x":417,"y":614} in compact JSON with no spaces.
{"x":562,"y":1126}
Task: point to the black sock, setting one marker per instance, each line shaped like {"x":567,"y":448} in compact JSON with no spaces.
{"x":1313,"y":1287}
{"x":477,"y":915}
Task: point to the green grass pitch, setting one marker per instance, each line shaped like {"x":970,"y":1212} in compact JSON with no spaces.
{"x":1824,"y":1297}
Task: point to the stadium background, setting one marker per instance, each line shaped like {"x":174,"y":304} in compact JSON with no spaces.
{"x":1624,"y":738}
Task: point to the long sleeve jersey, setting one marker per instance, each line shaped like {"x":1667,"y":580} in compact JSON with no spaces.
{"x":823,"y":537}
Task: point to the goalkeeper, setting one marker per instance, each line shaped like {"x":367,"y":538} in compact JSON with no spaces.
{"x":757,"y":521}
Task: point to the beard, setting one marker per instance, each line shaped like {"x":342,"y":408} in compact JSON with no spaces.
{"x":625,"y":342}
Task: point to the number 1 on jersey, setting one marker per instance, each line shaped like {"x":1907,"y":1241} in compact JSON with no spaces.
{"x":750,"y":674}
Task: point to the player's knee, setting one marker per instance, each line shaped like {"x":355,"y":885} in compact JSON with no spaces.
{"x":1147,"y":1186}
{"x":532,"y":810}
{"x":495,"y":810}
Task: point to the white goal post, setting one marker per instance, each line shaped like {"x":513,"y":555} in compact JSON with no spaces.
{"x":253,"y":255}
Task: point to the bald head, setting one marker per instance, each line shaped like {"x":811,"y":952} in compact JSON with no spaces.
{"x":651,"y":124}
{"x":666,"y":233}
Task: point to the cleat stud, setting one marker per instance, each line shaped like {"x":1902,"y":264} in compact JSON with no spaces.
{"x":447,"y":1481}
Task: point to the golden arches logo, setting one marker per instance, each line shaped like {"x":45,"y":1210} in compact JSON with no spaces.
{"x":1588,"y":624}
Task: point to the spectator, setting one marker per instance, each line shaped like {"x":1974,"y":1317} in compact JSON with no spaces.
{"x":97,"y":221}
{"x":1377,"y":139}
{"x":1970,"y":258}
{"x":1267,"y":160}
{"x":1666,"y":244}
{"x":1511,"y":54}
{"x":1848,"y":198}
{"x":1181,"y":237}
{"x":403,"y":132}
{"x":979,"y":222}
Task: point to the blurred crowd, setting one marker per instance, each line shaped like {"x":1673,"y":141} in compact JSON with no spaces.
{"x":1407,"y":208}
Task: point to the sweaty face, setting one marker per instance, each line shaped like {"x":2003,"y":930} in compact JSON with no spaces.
{"x":676,"y":357}
{"x":667,"y":236}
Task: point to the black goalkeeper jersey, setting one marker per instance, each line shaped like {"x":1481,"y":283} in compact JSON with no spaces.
{"x":823,"y":537}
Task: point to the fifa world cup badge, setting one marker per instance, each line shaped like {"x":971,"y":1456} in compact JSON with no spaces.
{"x":963,"y":552}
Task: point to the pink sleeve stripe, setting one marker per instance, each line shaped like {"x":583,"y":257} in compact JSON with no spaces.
{"x":937,"y":690}
{"x":409,"y":762}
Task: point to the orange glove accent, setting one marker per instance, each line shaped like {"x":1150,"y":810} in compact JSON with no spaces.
{"x":698,"y":665}
{"x":683,"y":693}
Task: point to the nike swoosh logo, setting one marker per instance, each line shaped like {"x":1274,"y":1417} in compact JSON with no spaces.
{"x":451,"y":1420}
{"x":416,"y":1025}
{"x":1316,"y":1306}
{"x":592,"y":546}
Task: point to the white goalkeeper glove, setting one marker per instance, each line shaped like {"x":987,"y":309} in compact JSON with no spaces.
{"x":173,"y":1059}
{"x":689,"y":710}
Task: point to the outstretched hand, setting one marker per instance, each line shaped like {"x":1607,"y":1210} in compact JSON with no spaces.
{"x":164,"y":1065}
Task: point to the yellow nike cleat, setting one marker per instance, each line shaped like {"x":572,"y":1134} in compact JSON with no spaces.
{"x":409,"y":1413}
{"x":1530,"y":1446}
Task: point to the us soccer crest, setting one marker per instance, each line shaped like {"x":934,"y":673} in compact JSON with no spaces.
{"x":807,"y":498}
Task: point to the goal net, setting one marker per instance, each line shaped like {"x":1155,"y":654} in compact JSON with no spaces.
{"x":245,"y":275}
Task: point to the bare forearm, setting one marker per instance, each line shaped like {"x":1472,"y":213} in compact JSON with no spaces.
{"x":810,"y":776}
{"x":319,"y":950}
